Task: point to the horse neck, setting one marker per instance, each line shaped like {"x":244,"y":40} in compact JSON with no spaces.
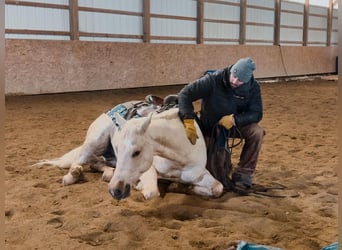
{"x":167,"y":139}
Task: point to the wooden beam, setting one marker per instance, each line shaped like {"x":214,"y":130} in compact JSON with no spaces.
{"x":200,"y":21}
{"x":147,"y":21}
{"x":305,"y":23}
{"x":73,"y":20}
{"x":329,"y":21}
{"x":37,"y":32}
{"x":277,"y":13}
{"x":242,"y":35}
{"x":109,"y":11}
{"x":34,"y":4}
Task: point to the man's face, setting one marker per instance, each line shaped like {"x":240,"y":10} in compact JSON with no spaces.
{"x":234,"y":81}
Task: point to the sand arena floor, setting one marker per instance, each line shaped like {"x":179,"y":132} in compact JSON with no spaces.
{"x":299,"y":151}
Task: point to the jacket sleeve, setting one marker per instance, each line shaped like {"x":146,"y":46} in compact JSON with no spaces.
{"x":193,"y":92}
{"x":254,"y":111}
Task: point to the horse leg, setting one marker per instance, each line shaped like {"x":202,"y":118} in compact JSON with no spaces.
{"x":107,"y":172}
{"x":95,"y":144}
{"x":148,"y":184}
{"x":74,"y":174}
{"x":207,"y":185}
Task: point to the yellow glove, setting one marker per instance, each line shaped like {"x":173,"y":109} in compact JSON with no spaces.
{"x":190,"y":130}
{"x":227,"y":121}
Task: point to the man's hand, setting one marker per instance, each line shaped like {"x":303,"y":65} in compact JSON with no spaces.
{"x":190,"y":130}
{"x":227,"y":121}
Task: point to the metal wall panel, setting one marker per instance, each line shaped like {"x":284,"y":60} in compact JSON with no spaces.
{"x":293,"y":6}
{"x":263,"y":3}
{"x":221,"y":30}
{"x":291,"y":19}
{"x":259,"y":33}
{"x":318,"y":10}
{"x":36,"y":18}
{"x":186,"y":8}
{"x":317,"y":22}
{"x":324,"y":3}
{"x":110,"y":23}
{"x":50,"y":19}
{"x":287,"y":34}
{"x":317,"y":36}
{"x":96,"y":22}
{"x":172,"y":27}
{"x":221,"y":12}
{"x":260,"y":16}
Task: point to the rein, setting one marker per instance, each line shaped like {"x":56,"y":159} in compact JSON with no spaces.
{"x":256,"y":189}
{"x":233,"y":144}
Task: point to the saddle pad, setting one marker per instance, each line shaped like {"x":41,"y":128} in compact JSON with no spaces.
{"x":120,"y":109}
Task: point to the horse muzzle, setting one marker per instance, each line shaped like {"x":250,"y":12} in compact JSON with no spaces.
{"x":120,"y":191}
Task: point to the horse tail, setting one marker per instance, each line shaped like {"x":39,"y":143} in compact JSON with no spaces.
{"x":65,"y":161}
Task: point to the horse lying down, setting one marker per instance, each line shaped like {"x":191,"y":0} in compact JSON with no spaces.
{"x":96,"y":150}
{"x":156,"y":147}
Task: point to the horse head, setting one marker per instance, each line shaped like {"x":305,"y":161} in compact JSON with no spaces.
{"x":134,"y":155}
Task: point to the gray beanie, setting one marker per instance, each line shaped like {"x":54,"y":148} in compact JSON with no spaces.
{"x":243,"y":69}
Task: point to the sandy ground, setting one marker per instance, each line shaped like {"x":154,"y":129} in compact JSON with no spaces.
{"x":299,"y":151}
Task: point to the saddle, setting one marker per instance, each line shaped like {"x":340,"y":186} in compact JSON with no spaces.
{"x":151,"y":103}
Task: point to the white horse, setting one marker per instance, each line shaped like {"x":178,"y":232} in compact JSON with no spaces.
{"x":96,"y":150}
{"x":155,"y":147}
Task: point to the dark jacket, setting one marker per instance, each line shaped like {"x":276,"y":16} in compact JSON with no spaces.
{"x":219,"y":99}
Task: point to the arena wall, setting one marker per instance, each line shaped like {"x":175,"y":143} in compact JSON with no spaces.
{"x":46,"y":66}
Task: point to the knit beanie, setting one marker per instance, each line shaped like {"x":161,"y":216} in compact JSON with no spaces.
{"x":243,"y":69}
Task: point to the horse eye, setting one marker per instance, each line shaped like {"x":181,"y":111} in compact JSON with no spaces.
{"x":135,"y":154}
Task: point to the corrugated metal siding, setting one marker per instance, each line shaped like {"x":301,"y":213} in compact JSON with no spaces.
{"x":109,"y":23}
{"x":221,"y":30}
{"x":173,"y":27}
{"x":37,"y":18}
{"x":186,"y":8}
{"x":263,"y":3}
{"x":291,"y":19}
{"x":94,"y":22}
{"x":293,"y":6}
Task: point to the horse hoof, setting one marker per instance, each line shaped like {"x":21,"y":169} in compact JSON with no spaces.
{"x":217,"y":190}
{"x":151,"y":194}
{"x":68,"y":179}
{"x":107,"y":175}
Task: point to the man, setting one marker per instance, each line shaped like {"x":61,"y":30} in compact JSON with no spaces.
{"x":230,"y":97}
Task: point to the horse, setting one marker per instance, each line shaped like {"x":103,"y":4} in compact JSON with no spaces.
{"x":96,"y":150}
{"x":156,"y":147}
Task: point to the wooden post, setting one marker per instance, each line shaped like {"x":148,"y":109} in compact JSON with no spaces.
{"x":306,"y":23}
{"x":242,"y":36}
{"x":277,"y":13}
{"x":200,"y":21}
{"x":146,"y":21}
{"x":329,"y":22}
{"x":73,"y":20}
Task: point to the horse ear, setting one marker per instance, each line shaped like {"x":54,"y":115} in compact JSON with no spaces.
{"x":119,"y":120}
{"x":146,"y":123}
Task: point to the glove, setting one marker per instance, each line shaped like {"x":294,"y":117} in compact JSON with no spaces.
{"x":227,"y":121}
{"x":190,"y":130}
